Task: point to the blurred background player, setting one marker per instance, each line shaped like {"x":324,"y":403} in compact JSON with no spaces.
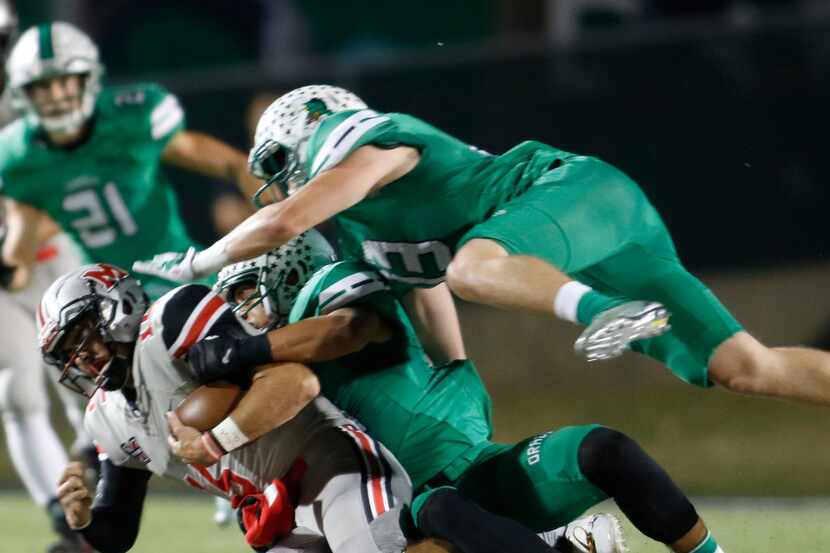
{"x":36,"y":452}
{"x":90,"y":158}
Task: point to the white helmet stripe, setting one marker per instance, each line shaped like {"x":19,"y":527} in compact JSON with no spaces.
{"x":341,"y":140}
{"x":349,"y":290}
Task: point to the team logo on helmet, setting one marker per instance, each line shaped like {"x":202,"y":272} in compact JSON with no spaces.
{"x":106,"y":275}
{"x":316,"y":109}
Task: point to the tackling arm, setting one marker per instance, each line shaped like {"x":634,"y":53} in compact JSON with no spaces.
{"x":277,"y":394}
{"x":313,"y":340}
{"x":365,"y":171}
{"x":204,"y":154}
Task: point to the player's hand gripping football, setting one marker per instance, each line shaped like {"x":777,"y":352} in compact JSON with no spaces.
{"x":186,"y":443}
{"x":175,"y":266}
{"x":75,"y":498}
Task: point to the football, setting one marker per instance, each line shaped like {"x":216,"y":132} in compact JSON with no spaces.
{"x":209,"y":404}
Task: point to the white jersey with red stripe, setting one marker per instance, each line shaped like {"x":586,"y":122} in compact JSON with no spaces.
{"x":162,"y":379}
{"x":337,"y":463}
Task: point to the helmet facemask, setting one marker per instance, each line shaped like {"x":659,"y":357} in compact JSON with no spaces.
{"x":279,"y":166}
{"x":109,"y":305}
{"x":280,"y":151}
{"x":93,"y":320}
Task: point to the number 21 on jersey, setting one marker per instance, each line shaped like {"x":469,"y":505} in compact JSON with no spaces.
{"x":102,"y":215}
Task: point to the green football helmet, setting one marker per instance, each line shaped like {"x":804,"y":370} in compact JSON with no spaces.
{"x":278,"y":275}
{"x":53,"y":50}
{"x":281,"y":139}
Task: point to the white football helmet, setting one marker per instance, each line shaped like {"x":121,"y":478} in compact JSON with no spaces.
{"x":281,"y":139}
{"x":8,"y":27}
{"x":115,"y":301}
{"x":52,"y":50}
{"x":279,"y":275}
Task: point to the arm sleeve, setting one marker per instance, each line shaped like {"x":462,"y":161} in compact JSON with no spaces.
{"x":116,"y":512}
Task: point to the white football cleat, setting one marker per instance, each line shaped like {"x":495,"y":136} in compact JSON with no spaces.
{"x":612,"y":331}
{"x":598,"y":533}
{"x":222,"y":511}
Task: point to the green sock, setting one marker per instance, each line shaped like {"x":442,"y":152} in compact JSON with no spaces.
{"x":593,"y":303}
{"x":708,"y":545}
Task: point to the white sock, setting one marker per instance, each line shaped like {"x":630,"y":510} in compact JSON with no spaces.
{"x":567,"y":298}
{"x":36,"y":452}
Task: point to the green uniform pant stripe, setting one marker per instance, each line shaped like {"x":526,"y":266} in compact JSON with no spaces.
{"x":47,"y":50}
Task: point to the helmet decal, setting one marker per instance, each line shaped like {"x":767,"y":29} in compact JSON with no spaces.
{"x":107,"y":275}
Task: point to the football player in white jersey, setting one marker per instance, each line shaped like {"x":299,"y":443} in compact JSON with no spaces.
{"x":96,"y":326}
{"x":36,"y":452}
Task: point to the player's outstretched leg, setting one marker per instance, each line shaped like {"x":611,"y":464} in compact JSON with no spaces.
{"x":484,"y":272}
{"x":647,"y":495}
{"x":745,"y":365}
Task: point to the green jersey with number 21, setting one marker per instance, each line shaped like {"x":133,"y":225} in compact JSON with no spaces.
{"x":108,"y":193}
{"x":409,"y":230}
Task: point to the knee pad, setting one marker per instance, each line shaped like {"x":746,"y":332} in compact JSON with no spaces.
{"x":607,"y":454}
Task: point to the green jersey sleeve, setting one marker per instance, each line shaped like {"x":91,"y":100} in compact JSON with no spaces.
{"x":340,"y":285}
{"x":149,"y":112}
{"x":342,"y":133}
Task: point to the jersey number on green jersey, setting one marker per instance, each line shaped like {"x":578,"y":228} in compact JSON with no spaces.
{"x":95,"y":226}
{"x":411,"y":262}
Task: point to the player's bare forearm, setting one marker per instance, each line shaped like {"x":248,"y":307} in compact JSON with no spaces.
{"x":201,"y":153}
{"x":326,"y":195}
{"x":328,"y":337}
{"x":435,"y":318}
{"x":278,"y":393}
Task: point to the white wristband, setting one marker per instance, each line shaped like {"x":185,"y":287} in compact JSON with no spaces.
{"x":209,"y":261}
{"x":567,"y":300}
{"x":228,"y":434}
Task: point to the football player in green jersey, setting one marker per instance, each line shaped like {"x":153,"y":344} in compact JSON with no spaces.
{"x":348,"y":326}
{"x":535,"y":229}
{"x":90,"y":156}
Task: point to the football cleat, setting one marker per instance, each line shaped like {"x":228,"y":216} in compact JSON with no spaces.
{"x":612,"y":331}
{"x":222,"y":512}
{"x":598,"y":533}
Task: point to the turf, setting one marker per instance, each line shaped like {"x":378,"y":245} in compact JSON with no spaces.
{"x":183,"y":524}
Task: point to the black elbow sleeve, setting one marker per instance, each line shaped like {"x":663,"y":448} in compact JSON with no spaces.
{"x":116,"y":512}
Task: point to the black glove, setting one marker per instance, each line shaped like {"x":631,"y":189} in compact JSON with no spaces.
{"x":228,"y":358}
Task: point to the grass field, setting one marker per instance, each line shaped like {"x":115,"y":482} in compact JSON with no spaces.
{"x":183,"y":525}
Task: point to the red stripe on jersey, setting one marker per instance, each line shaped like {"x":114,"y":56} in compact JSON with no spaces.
{"x":374,"y":469}
{"x":192,"y":481}
{"x":233,"y":485}
{"x":210,"y":309}
{"x":146,"y":334}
